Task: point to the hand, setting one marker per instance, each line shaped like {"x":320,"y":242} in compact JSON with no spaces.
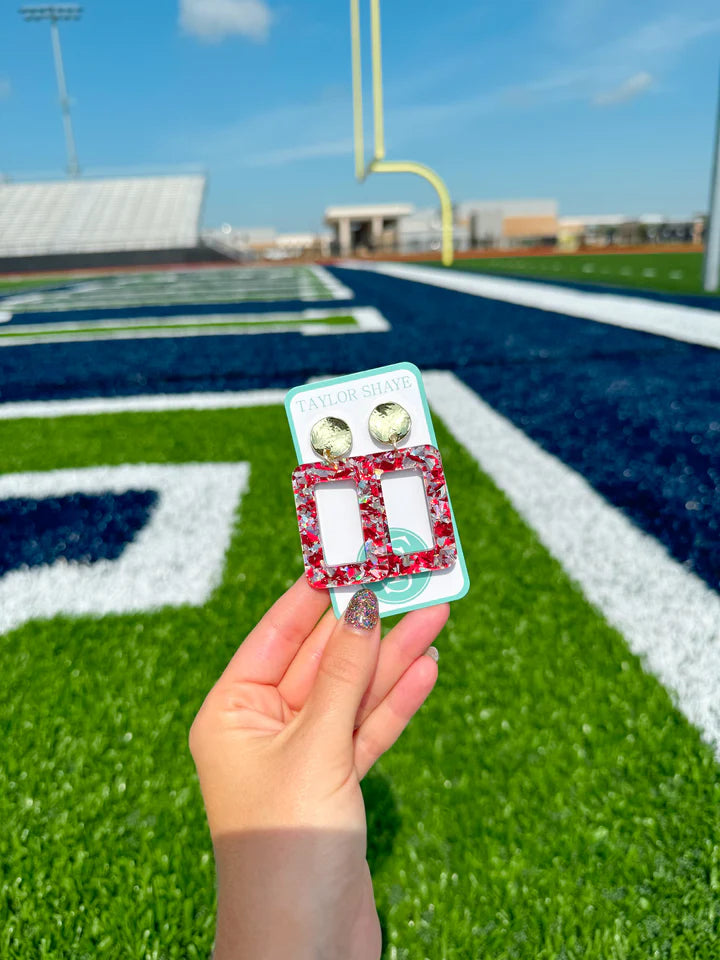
{"x":303,"y":710}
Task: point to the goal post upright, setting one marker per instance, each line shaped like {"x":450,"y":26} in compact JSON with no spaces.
{"x":711,"y":259}
{"x":379,"y":164}
{"x":378,"y":110}
{"x":358,"y":138}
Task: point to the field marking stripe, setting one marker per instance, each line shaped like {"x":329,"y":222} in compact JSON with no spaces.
{"x":331,"y":283}
{"x":98,"y":336}
{"x":690,"y":324}
{"x":177,"y":557}
{"x":668,"y":616}
{"x":365,"y":316}
{"x":171,"y":321}
{"x":151,"y":403}
{"x":307,"y":323}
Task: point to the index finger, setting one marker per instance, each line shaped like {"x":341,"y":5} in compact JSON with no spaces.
{"x":269,"y":649}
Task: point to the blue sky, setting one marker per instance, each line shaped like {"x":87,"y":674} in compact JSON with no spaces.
{"x":606,"y":105}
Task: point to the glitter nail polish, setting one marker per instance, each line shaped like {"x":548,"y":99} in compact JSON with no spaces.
{"x":362,"y":611}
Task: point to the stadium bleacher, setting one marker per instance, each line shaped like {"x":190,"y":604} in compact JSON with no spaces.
{"x":101,"y":221}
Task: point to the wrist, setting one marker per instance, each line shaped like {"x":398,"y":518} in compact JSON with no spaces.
{"x":294,"y":893}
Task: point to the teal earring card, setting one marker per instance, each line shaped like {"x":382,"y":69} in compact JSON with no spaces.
{"x":352,"y":398}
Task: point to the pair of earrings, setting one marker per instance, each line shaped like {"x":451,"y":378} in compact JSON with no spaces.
{"x":331,"y":437}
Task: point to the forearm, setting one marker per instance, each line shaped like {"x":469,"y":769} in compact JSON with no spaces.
{"x":288,"y":894}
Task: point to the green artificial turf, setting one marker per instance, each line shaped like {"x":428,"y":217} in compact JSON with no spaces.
{"x":211,"y":285}
{"x":547,"y":802}
{"x":30,"y":283}
{"x":238,"y":326}
{"x":674,"y":272}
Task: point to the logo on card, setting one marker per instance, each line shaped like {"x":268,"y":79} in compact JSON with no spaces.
{"x":402,"y":590}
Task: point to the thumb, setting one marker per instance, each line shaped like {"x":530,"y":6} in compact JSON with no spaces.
{"x":346,"y":668}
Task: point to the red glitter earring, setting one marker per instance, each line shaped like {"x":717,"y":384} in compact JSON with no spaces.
{"x":425,"y":460}
{"x":389,"y":424}
{"x":331,"y":439}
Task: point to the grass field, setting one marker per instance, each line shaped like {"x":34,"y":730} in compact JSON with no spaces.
{"x":548,"y":802}
{"x":197,"y":326}
{"x":670,"y":272}
{"x":232,"y":284}
{"x":17,"y":285}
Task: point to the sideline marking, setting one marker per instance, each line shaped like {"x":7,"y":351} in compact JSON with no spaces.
{"x":668,"y":616}
{"x":331,"y":283}
{"x":690,"y":324}
{"x":307,"y":323}
{"x":141,"y":403}
{"x":177,"y":558}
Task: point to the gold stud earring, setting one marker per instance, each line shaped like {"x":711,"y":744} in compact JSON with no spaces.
{"x":331,"y":439}
{"x":389,"y":423}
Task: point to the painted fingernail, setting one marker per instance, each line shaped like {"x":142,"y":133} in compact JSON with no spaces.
{"x":362,"y":611}
{"x":433,"y":653}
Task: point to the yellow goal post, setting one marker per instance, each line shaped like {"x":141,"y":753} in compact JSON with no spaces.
{"x":379,"y":164}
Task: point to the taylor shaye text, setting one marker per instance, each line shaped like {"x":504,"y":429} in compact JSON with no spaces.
{"x":377,"y":388}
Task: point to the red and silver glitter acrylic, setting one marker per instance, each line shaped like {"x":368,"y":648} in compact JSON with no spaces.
{"x":380,"y":561}
{"x":376,"y":537}
{"x":426,"y":461}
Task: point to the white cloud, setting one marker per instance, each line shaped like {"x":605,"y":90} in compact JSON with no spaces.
{"x":5,"y":88}
{"x":212,"y":20}
{"x":627,"y":90}
{"x":605,"y":74}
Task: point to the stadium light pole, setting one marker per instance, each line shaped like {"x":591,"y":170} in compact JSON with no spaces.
{"x":54,"y":13}
{"x":711,"y":264}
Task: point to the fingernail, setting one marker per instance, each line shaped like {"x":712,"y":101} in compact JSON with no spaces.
{"x":433,"y":653}
{"x":362,"y":611}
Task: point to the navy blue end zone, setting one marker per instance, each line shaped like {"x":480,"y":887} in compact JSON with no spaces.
{"x":80,"y":527}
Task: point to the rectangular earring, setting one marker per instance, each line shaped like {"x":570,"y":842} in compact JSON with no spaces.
{"x":332,"y":440}
{"x":376,"y":538}
{"x":425,"y":460}
{"x":389,"y":424}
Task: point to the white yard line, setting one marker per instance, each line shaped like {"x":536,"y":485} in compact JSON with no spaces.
{"x":366,"y":320}
{"x":691,"y":324}
{"x":159,"y":334}
{"x":144,"y":403}
{"x":668,"y":616}
{"x":336,"y":288}
{"x":189,"y":320}
{"x":121,"y":301}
